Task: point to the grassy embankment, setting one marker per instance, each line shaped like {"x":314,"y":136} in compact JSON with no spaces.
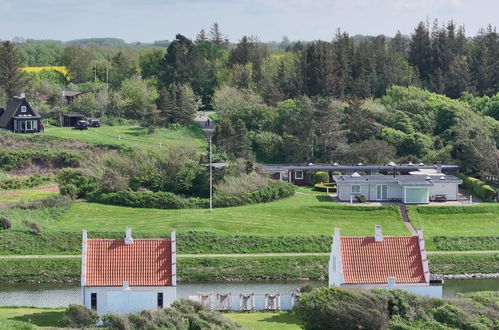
{"x":134,"y":136}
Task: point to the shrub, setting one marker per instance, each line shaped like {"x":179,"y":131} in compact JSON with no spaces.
{"x":275,"y":190}
{"x":325,"y":186}
{"x":479,"y":188}
{"x":33,"y":226}
{"x":116,"y":321}
{"x":321,"y":177}
{"x":19,"y":183}
{"x":452,"y":316}
{"x":75,"y":183}
{"x":334,"y":308}
{"x":5,"y":223}
{"x":78,"y":316}
{"x":147,"y":199}
{"x":360,"y":198}
{"x":53,"y":201}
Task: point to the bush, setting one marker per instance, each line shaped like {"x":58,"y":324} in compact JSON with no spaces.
{"x":78,"y":316}
{"x":75,"y":183}
{"x":20,"y":183}
{"x":360,"y":198}
{"x":147,"y":199}
{"x":334,"y":308}
{"x":325,"y":186}
{"x":451,"y":316}
{"x":321,"y":177}
{"x":116,"y":321}
{"x":5,"y":223}
{"x":33,"y":226}
{"x":274,"y":191}
{"x":18,"y":158}
{"x":53,"y":201}
{"x":479,"y":188}
{"x":466,"y":243}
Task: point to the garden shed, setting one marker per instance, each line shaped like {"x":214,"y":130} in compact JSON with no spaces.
{"x":70,"y":119}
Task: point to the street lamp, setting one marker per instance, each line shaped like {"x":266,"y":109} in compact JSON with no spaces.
{"x":211,"y":180}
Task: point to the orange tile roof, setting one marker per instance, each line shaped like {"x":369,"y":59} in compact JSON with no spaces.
{"x":366,"y":261}
{"x":146,"y":262}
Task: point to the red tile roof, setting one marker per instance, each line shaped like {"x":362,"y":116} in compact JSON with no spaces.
{"x":146,"y":262}
{"x":366,"y":261}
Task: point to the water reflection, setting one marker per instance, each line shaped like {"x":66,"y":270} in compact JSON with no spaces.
{"x":57,"y":295}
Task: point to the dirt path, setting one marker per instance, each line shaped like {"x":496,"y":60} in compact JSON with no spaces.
{"x":236,"y":255}
{"x":205,"y":123}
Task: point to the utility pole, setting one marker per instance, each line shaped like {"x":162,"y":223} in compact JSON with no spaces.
{"x":211,"y":181}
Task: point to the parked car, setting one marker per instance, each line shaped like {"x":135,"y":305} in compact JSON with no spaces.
{"x":81,"y":124}
{"x":93,"y":123}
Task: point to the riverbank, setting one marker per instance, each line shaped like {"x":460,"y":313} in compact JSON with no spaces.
{"x":236,"y":268}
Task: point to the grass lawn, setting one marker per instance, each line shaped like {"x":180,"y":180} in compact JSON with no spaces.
{"x":134,"y":135}
{"x":265,"y":321}
{"x":479,"y":220}
{"x":305,"y":213}
{"x":16,"y":195}
{"x":24,"y":317}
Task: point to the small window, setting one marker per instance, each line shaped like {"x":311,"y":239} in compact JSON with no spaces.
{"x":356,"y":189}
{"x":93,"y":301}
{"x":160,"y":300}
{"x":23,"y":108}
{"x":299,"y":175}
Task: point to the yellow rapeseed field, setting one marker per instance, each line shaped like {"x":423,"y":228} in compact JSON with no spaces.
{"x":62,"y":69}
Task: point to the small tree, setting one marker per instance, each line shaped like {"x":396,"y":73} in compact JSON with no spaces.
{"x":321,"y":177}
{"x":78,"y":316}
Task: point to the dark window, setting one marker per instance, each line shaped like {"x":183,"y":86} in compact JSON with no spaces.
{"x":93,"y":301}
{"x":160,"y":299}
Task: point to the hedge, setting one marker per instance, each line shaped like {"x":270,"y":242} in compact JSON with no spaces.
{"x":148,"y":199}
{"x":192,"y":242}
{"x":479,"y":188}
{"x":321,"y":177}
{"x":12,"y":159}
{"x":21,"y":183}
{"x":274,"y":191}
{"x":466,"y":243}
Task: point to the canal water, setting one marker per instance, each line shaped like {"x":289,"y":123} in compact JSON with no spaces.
{"x":61,"y":295}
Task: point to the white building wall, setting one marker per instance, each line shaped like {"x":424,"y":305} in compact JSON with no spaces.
{"x":132,"y":300}
{"x":426,"y":290}
{"x":444,"y":188}
{"x":394,"y":191}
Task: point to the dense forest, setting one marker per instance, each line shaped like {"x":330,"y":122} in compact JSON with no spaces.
{"x":431,"y":96}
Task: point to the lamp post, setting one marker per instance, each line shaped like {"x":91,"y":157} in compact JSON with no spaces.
{"x":211,"y":180}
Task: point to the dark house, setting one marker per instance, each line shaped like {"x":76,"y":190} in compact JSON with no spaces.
{"x":69,"y":96}
{"x":19,"y":117}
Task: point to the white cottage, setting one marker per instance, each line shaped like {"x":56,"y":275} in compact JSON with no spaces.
{"x":128,"y":275}
{"x":410,"y":189}
{"x":381,"y":262}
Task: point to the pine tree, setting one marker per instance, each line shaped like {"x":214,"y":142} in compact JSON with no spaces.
{"x":201,"y":36}
{"x":420,"y":53}
{"x":216,"y":35}
{"x":12,"y":79}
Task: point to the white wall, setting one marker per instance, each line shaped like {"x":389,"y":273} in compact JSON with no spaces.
{"x":394,"y":191}
{"x":286,"y":302}
{"x":136,"y":299}
{"x":434,"y":291}
{"x":442,"y":188}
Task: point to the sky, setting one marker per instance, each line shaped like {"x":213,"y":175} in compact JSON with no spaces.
{"x":149,"y":20}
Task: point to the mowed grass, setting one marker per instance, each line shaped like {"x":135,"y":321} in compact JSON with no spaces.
{"x":17,"y":195}
{"x":306,"y":213}
{"x":134,"y":136}
{"x":24,"y":317}
{"x":266,"y":321}
{"x":479,"y":220}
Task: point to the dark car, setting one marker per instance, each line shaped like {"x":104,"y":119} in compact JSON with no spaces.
{"x":81,"y":124}
{"x":93,"y":123}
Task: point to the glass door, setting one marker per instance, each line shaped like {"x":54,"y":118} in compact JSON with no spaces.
{"x":382,"y":192}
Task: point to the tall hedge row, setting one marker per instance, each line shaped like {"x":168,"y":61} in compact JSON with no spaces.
{"x":274,"y":191}
{"x":479,"y":188}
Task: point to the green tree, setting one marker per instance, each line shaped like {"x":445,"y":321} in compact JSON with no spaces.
{"x":136,"y":96}
{"x":79,"y":62}
{"x":12,"y":79}
{"x":123,"y":66}
{"x":178,"y":104}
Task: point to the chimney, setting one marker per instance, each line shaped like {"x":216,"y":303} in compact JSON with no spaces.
{"x":378,"y":236}
{"x":439,"y":167}
{"x":392,"y":282}
{"x":128,"y":236}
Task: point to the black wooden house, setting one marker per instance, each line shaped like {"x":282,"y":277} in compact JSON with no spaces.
{"x":19,"y":117}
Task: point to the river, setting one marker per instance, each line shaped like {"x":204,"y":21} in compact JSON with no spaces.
{"x":61,"y":295}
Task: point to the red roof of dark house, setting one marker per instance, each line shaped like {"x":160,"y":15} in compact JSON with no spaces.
{"x":366,"y":261}
{"x":146,"y":262}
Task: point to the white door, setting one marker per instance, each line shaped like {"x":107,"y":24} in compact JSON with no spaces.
{"x":382,"y":192}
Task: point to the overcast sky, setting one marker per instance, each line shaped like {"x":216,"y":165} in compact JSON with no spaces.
{"x":149,"y":20}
